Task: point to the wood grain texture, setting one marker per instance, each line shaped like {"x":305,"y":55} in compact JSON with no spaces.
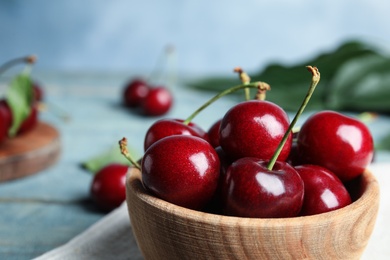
{"x":167,"y":231}
{"x":29,"y":153}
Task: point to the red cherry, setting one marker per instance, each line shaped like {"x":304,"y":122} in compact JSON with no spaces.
{"x":323,"y":190}
{"x":7,"y":112}
{"x":342,"y":144}
{"x":38,"y":92}
{"x":30,"y":122}
{"x":108,"y":188}
{"x":294,"y":158}
{"x":216,"y":203}
{"x":167,"y":127}
{"x":181,"y":169}
{"x":5,"y":120}
{"x":213,"y":133}
{"x":251,"y":190}
{"x":254,"y":129}
{"x":158,"y":102}
{"x":135,"y":92}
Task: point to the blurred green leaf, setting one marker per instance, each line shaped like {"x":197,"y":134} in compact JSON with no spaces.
{"x":383,"y":144}
{"x":19,"y":97}
{"x":113,"y":155}
{"x":337,"y":88}
{"x":361,"y":84}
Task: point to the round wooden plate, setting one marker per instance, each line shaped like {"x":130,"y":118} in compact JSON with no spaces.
{"x":29,"y":153}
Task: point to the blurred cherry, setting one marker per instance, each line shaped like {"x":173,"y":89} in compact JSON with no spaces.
{"x":108,"y":188}
{"x":135,"y":92}
{"x":157,"y":102}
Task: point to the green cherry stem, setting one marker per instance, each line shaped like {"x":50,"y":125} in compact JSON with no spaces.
{"x":160,"y":65}
{"x":125,"y":152}
{"x":218,"y":96}
{"x":313,"y":84}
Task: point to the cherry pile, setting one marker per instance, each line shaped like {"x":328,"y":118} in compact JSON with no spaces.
{"x":251,"y":164}
{"x":149,"y":101}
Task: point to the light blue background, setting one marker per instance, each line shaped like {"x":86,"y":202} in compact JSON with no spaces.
{"x":209,"y":36}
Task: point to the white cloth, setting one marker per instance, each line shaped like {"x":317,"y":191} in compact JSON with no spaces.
{"x":112,"y":238}
{"x":109,"y":238}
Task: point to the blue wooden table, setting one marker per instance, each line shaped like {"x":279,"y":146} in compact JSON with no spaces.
{"x":45,"y":210}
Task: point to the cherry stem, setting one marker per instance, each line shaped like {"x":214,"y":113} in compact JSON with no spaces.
{"x":313,"y":84}
{"x":55,"y":109}
{"x":31,"y":59}
{"x":125,"y":152}
{"x":245,"y":79}
{"x":172,"y":65}
{"x":156,"y":73}
{"x":218,"y":96}
{"x":262,"y":91}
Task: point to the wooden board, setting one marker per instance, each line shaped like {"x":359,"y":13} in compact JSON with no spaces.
{"x":29,"y":153}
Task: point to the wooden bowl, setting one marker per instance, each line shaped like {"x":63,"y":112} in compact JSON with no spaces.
{"x":166,"y":231}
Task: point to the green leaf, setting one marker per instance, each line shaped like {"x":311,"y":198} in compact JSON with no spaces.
{"x":361,"y":84}
{"x":289,"y":83}
{"x":383,"y":144}
{"x":19,"y":97}
{"x":113,"y":155}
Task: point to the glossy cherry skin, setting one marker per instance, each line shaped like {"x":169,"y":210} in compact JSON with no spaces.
{"x":342,"y":144}
{"x":157,"y":102}
{"x":108,"y":188}
{"x":135,"y":92}
{"x":251,"y":190}
{"x":167,"y":127}
{"x":324,"y":191}
{"x":182,"y":170}
{"x":254,"y":129}
{"x":213,"y":133}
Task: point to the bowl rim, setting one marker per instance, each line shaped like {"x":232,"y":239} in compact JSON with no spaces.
{"x":134,"y":185}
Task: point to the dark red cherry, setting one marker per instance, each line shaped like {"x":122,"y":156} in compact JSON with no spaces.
{"x":294,"y":158}
{"x":251,"y":190}
{"x":28,"y":124}
{"x":7,"y":112}
{"x":213,"y":133}
{"x":216,"y":204}
{"x":254,"y":129}
{"x":38,"y":92}
{"x":135,"y":92}
{"x":5,"y":120}
{"x":181,"y":169}
{"x":167,"y":127}
{"x":340,"y":143}
{"x":31,"y":121}
{"x":157,"y":102}
{"x":108,"y":188}
{"x":323,"y":190}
